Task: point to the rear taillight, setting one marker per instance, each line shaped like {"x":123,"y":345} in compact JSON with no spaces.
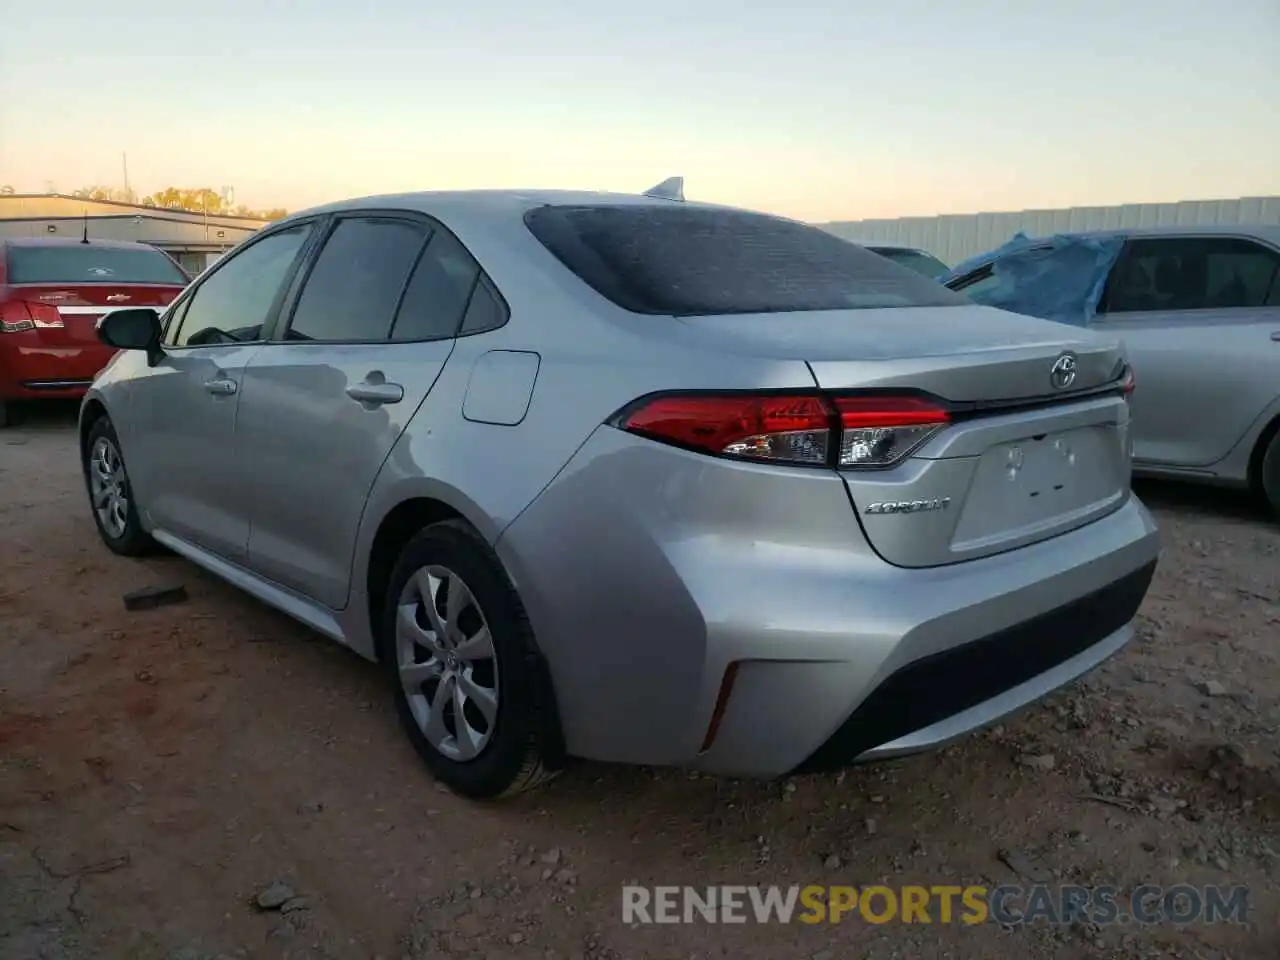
{"x":19,"y":315}
{"x":837,"y":431}
{"x":1127,"y":383}
{"x":878,"y":431}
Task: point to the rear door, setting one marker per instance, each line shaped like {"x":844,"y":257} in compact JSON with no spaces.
{"x":369,"y":331}
{"x":1197,"y":314}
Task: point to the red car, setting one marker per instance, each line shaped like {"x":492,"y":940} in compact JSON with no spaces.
{"x":52,"y":293}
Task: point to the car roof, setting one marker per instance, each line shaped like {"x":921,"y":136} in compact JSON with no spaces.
{"x":69,"y":242}
{"x":460,"y":204}
{"x":1265,"y":230}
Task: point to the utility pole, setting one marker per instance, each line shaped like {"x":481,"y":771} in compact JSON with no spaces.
{"x":124,"y":157}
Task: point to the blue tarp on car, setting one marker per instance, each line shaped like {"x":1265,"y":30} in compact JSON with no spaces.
{"x":1056,"y":278}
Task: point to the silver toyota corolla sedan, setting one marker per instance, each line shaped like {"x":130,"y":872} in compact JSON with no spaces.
{"x":632,"y":479}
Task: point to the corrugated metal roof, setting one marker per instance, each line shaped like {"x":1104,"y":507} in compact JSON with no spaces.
{"x":955,"y":237}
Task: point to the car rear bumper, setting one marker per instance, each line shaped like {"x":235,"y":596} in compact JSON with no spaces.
{"x":33,"y":370}
{"x":731,"y":617}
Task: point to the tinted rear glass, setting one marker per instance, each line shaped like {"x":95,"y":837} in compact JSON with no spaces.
{"x":692,"y":261}
{"x":76,"y":263}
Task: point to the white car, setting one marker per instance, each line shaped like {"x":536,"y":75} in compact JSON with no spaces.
{"x":1198,"y":309}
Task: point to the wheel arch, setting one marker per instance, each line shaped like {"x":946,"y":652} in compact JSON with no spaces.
{"x":396,"y":528}
{"x":91,"y":411}
{"x":1268,"y":433}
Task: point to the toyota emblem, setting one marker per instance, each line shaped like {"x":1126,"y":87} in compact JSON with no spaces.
{"x":1063,"y":372}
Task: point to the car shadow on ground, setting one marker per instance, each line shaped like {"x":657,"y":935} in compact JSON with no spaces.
{"x":1224,"y":503}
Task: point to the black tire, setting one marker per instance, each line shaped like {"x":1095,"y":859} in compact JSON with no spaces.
{"x":522,"y":750}
{"x":7,"y":417}
{"x":133,"y":540}
{"x":1269,"y":476}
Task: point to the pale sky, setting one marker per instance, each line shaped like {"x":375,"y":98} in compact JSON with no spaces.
{"x":835,"y":110}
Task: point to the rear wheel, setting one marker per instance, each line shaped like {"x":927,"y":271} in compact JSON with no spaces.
{"x":459,"y":653}
{"x":6,"y":415}
{"x":110,"y":497}
{"x":1269,"y":475}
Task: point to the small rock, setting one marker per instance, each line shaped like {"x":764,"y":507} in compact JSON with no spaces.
{"x":546,"y":874}
{"x":295,"y":903}
{"x":476,"y":894}
{"x":552,"y":856}
{"x":275,"y":896}
{"x":870,"y":824}
{"x":515,"y":938}
{"x":877,"y":798}
{"x":832,"y":862}
{"x":789,"y":787}
{"x":313,"y":806}
{"x":565,"y":877}
{"x":1211,"y":688}
{"x":1041,"y":761}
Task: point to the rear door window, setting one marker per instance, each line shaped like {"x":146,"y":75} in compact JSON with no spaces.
{"x":352,"y":291}
{"x":681,"y":260}
{"x":1192,"y":273}
{"x":89,"y":263}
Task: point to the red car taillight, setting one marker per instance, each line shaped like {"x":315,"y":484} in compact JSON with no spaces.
{"x":838,"y":431}
{"x":19,"y":315}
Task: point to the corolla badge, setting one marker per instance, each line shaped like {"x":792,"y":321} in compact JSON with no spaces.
{"x":1063,"y":372}
{"x":909,"y":506}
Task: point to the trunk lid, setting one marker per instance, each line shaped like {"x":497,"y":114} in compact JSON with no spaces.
{"x":81,"y":306}
{"x":1033,"y":449}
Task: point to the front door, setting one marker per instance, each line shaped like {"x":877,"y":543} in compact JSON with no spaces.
{"x":1197,"y":316}
{"x":324,"y":403}
{"x":183,"y":410}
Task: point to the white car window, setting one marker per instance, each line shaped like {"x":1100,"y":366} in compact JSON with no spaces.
{"x":1192,"y":273}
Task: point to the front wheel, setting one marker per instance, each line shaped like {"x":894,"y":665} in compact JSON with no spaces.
{"x":459,"y":651}
{"x":110,"y":496}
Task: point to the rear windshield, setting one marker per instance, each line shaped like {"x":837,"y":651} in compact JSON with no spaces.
{"x":919,"y":261}
{"x":76,"y":263}
{"x":695,"y":261}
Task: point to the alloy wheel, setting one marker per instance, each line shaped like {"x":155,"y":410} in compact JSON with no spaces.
{"x":109,"y":487}
{"x":447,"y":663}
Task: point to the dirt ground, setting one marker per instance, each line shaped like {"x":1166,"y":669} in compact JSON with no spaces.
{"x":161,"y":769}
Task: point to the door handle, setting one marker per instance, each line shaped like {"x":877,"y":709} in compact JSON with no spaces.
{"x":220,"y":386}
{"x":376,"y":392}
{"x":1275,"y":335}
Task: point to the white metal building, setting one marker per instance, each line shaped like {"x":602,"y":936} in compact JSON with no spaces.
{"x":193,"y":239}
{"x":956,"y":237}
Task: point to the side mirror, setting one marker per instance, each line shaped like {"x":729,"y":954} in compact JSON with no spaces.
{"x":137,"y":328}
